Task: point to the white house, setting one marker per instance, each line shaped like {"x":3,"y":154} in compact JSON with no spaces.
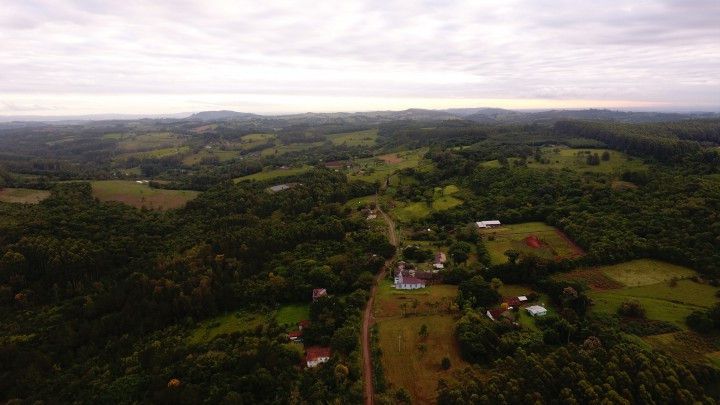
{"x":536,"y":310}
{"x":407,"y":283}
{"x":488,"y":224}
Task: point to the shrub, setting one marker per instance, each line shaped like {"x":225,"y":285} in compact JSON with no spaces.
{"x":632,"y":309}
{"x":700,"y":322}
{"x":445,"y":363}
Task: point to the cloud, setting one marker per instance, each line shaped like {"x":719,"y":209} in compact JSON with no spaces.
{"x":639,"y":51}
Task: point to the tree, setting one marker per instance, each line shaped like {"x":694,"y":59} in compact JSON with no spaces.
{"x":700,"y":321}
{"x":460,"y":251}
{"x":632,"y":308}
{"x":496,"y":283}
{"x":423,"y":331}
{"x":512,"y":255}
{"x":476,"y":292}
{"x":605,"y":156}
{"x":445,"y":363}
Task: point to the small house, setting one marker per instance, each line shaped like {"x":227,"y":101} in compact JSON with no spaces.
{"x":536,"y":310}
{"x":295,"y":336}
{"x":515,"y":301}
{"x":407,"y":283}
{"x":496,"y":313}
{"x":318,"y":293}
{"x":493,"y":223}
{"x":316,"y":355}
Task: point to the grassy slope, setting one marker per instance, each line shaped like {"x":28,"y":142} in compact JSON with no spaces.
{"x":292,"y":314}
{"x":23,"y":195}
{"x":225,"y":324}
{"x":645,"y":272}
{"x":513,"y":237}
{"x":274,"y":173}
{"x":358,"y":138}
{"x":141,"y":195}
{"x":569,"y":158}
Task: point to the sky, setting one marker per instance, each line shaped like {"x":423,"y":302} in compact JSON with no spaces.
{"x":63,"y":57}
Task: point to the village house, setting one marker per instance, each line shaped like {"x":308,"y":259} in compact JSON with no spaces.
{"x":440,"y":260}
{"x":318,"y":293}
{"x":493,"y":223}
{"x":407,"y":283}
{"x":316,"y":355}
{"x":515,"y":301}
{"x":280,"y":187}
{"x":496,"y":314}
{"x":295,"y":336}
{"x":536,"y":310}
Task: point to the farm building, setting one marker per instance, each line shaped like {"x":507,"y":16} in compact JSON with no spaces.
{"x":493,"y":223}
{"x":407,"y":283}
{"x":536,"y":310}
{"x":295,"y":336}
{"x":316,"y":355}
{"x":280,"y":187}
{"x":515,"y":301}
{"x":497,"y":313}
{"x":319,"y":293}
{"x":440,"y":260}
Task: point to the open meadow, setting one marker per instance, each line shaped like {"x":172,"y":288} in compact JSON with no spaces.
{"x":534,"y":238}
{"x":140,"y":194}
{"x":358,"y":138}
{"x":381,"y":167}
{"x":409,"y":360}
{"x":575,"y":159}
{"x":274,"y":173}
{"x":23,"y":195}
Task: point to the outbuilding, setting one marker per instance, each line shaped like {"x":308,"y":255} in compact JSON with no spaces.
{"x":493,"y":223}
{"x":536,"y":310}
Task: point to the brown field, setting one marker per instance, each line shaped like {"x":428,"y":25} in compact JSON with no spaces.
{"x":592,"y":277}
{"x":391,"y":158}
{"x":405,"y":365}
{"x":23,"y":195}
{"x":141,"y":195}
{"x":685,"y":346}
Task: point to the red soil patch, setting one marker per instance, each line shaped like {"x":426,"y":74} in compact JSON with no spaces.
{"x":533,"y":242}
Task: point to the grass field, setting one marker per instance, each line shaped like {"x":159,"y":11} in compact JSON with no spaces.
{"x":358,"y":138}
{"x":292,"y":314}
{"x":645,"y":272}
{"x":221,"y":155}
{"x":688,"y":346}
{"x":381,"y":167}
{"x":661,"y":301}
{"x":552,"y":244}
{"x":444,"y":199}
{"x":225,"y":325}
{"x":141,"y":195}
{"x":274,"y":173}
{"x":408,"y":212}
{"x":405,"y":365}
{"x":155,"y":153}
{"x":293,"y":147}
{"x":575,"y":159}
{"x":23,"y":195}
{"x":360,"y":202}
{"x":145,"y":142}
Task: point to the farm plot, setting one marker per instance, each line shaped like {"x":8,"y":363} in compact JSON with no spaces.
{"x":270,"y":173}
{"x":225,"y":325}
{"x":444,"y":199}
{"x":576,"y":159}
{"x":358,"y":138}
{"x":410,"y":360}
{"x":384,"y":166}
{"x":141,"y":195}
{"x":23,"y":195}
{"x":210,"y":154}
{"x":146,"y":142}
{"x":534,"y":238}
{"x":645,"y":272}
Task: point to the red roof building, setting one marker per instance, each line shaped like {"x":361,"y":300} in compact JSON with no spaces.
{"x":295,"y":335}
{"x":316,"y":355}
{"x":303,"y":324}
{"x":318,"y":293}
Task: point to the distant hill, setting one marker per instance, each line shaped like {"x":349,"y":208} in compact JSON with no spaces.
{"x":221,"y":115}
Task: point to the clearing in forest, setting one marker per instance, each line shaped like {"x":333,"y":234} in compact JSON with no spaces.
{"x":140,"y":194}
{"x":410,"y":360}
{"x":23,"y":195}
{"x":273,"y":173}
{"x":534,"y":238}
{"x":358,"y":138}
{"x":576,"y":159}
{"x":226,"y":324}
{"x":382,"y":167}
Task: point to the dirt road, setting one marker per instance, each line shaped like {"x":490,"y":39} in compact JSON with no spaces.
{"x":367,"y":314}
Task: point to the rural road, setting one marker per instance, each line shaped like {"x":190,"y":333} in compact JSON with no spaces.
{"x":367,"y":314}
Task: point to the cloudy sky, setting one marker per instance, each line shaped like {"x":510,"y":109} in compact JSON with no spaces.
{"x":85,"y":57}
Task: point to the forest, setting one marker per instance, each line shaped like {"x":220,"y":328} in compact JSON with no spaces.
{"x":107,"y":301}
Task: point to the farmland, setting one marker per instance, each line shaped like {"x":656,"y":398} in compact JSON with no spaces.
{"x":225,"y":325}
{"x":576,"y":159}
{"x":381,"y":167}
{"x":23,"y":195}
{"x":358,"y":138}
{"x":661,"y":301}
{"x":645,"y":272}
{"x":291,"y":314}
{"x":141,"y":195}
{"x":534,"y":238}
{"x":275,"y":173}
{"x":405,"y":364}
{"x":210,"y":154}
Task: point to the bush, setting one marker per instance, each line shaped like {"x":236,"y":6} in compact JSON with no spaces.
{"x":700,"y":322}
{"x":445,"y":363}
{"x":632,"y":309}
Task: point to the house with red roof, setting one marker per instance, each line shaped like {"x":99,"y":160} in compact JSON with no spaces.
{"x":319,"y":293}
{"x":295,"y":336}
{"x":316,"y":355}
{"x":407,"y":283}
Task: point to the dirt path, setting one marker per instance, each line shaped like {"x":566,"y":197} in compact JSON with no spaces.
{"x":367,"y":314}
